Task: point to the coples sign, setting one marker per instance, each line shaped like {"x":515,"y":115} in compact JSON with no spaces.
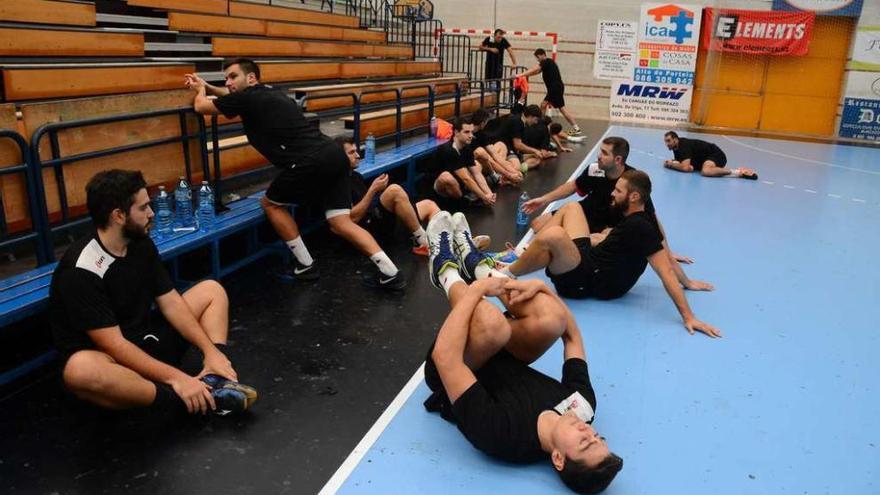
{"x":758,"y":32}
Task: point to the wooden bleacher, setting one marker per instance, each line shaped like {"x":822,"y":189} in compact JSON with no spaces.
{"x":42,"y":42}
{"x":384,"y":122}
{"x":280,"y":47}
{"x":199,"y":23}
{"x":44,"y":81}
{"x":442,"y":85}
{"x":48,"y":12}
{"x":256,"y":11}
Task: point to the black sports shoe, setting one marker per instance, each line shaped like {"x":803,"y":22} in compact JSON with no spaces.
{"x":440,"y":245}
{"x":297,"y":271}
{"x":217,"y":382}
{"x":381,"y":281}
{"x":229,"y":401}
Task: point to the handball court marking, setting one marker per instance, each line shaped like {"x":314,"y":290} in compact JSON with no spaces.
{"x":784,"y":399}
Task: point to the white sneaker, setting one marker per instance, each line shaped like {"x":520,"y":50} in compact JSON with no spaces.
{"x":466,"y":252}
{"x":441,"y":257}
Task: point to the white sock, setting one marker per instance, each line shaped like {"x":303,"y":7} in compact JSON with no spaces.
{"x":448,"y":278}
{"x":484,"y":271}
{"x":506,"y":272}
{"x":734,"y":173}
{"x":420,"y":236}
{"x":576,"y":127}
{"x":298,"y":248}
{"x":384,"y":263}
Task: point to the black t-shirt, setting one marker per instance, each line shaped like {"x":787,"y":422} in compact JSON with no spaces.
{"x":274,"y":125}
{"x":597,"y":188}
{"x":551,"y":75}
{"x":511,"y":127}
{"x":499,"y":413}
{"x":449,"y":159}
{"x":481,"y":140}
{"x":621,"y":258}
{"x":537,"y":136}
{"x":358,"y":187}
{"x":495,"y":59}
{"x":697,"y":150}
{"x":92,"y":289}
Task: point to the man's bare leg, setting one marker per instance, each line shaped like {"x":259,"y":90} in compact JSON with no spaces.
{"x":95,"y":377}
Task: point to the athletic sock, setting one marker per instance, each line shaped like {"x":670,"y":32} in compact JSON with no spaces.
{"x":448,"y":278}
{"x":384,"y":263}
{"x":483,"y":271}
{"x":506,"y":272}
{"x":420,"y":236}
{"x":735,"y":173}
{"x":576,"y":127}
{"x":167,"y":402}
{"x":298,"y":248}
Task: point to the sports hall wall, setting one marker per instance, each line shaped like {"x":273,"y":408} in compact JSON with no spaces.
{"x":791,"y":95}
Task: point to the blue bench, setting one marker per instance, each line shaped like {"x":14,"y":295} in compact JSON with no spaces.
{"x":28,"y":294}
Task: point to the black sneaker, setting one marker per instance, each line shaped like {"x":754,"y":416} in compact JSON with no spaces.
{"x":217,"y":382}
{"x":229,"y":401}
{"x":440,"y":245}
{"x":297,"y":271}
{"x":381,"y":281}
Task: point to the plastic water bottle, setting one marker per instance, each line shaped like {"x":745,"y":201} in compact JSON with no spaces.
{"x":370,"y":149}
{"x":433,"y":127}
{"x":183,"y":207}
{"x":164,"y":215}
{"x":522,"y":218}
{"x":206,"y":206}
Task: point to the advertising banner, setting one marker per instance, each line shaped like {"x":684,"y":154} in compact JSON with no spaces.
{"x":633,"y":101}
{"x":616,"y":43}
{"x":861,"y":106}
{"x":758,"y":32}
{"x":848,"y":8}
{"x":668,"y":39}
{"x":866,"y":50}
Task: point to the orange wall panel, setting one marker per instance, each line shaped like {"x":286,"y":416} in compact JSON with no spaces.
{"x":722,"y":109}
{"x":799,"y":114}
{"x":804,"y":76}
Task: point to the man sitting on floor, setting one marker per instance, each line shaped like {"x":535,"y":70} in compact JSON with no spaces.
{"x":101,"y":297}
{"x":493,"y":157}
{"x":607,"y":265}
{"x":457,"y":174}
{"x":479,"y":374}
{"x":701,"y":156}
{"x":511,"y":132}
{"x":392,"y":202}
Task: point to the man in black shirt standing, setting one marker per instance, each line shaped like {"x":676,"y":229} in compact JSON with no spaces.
{"x":607,"y":265}
{"x":701,"y":156}
{"x":479,"y":374}
{"x":457,"y":173}
{"x":495,"y":46}
{"x":101,"y":296}
{"x":314,"y":168}
{"x":555,"y":88}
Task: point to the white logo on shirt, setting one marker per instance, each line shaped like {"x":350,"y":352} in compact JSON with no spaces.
{"x":593,"y":170}
{"x":93,"y":258}
{"x":576,"y":402}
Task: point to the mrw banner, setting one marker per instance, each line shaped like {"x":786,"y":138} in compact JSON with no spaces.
{"x":758,"y":32}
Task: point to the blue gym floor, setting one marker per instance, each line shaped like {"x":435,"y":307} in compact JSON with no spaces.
{"x":786,"y":402}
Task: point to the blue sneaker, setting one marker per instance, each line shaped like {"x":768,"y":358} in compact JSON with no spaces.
{"x":230,"y":396}
{"x":439,"y":233}
{"x":469,"y":256}
{"x":507,"y":256}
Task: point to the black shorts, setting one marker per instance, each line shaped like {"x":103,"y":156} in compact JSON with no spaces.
{"x":556,"y":96}
{"x":323,"y":179}
{"x":576,"y":283}
{"x":718,"y":157}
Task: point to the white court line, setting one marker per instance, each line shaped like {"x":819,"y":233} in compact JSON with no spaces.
{"x":768,"y":182}
{"x":835,"y":196}
{"x":350,"y":463}
{"x":788,"y":187}
{"x":859,"y":200}
{"x":794,"y":157}
{"x":345,"y":469}
{"x":810,"y":191}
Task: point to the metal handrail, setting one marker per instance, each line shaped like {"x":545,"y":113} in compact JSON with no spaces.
{"x":57,"y":162}
{"x":33,"y":204}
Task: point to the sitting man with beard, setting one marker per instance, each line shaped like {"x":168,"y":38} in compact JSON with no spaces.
{"x":101,"y":298}
{"x":607,"y":265}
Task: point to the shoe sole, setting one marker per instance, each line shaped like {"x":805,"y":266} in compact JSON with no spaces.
{"x":398,"y":286}
{"x":305,"y":277}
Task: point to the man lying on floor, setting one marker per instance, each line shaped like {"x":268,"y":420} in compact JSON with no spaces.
{"x":101,"y":296}
{"x":478,"y":367}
